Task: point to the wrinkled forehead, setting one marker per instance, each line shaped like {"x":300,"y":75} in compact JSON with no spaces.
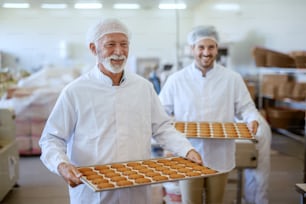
{"x":115,"y":37}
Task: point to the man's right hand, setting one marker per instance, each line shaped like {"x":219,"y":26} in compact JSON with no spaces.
{"x":70,"y":174}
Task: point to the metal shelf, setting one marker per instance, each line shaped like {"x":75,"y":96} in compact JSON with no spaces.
{"x":291,"y":103}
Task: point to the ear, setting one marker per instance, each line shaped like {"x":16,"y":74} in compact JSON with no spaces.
{"x":93,"y":49}
{"x":192,"y":47}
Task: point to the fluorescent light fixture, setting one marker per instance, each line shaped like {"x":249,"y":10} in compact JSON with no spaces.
{"x":126,"y":6}
{"x":87,"y":5}
{"x":172,"y":6}
{"x":16,"y":5}
{"x":54,"y":6}
{"x":227,"y":7}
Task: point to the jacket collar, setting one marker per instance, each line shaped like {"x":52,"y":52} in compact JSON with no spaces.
{"x":105,"y":79}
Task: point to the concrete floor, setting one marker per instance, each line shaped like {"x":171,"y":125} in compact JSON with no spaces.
{"x":38,"y":186}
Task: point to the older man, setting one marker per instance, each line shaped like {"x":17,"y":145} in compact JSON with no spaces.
{"x":107,"y":115}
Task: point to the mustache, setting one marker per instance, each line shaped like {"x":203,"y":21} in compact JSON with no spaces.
{"x":117,"y":57}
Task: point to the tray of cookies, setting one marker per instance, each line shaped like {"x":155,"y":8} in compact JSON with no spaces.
{"x":145,"y":172}
{"x":215,"y":130}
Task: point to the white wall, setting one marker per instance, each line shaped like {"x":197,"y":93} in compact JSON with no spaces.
{"x":35,"y":35}
{"x":275,"y":24}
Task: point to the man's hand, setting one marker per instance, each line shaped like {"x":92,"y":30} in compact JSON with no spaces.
{"x":194,"y":156}
{"x":70,"y":174}
{"x":253,"y":126}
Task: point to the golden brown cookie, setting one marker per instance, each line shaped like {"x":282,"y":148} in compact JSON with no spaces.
{"x":168,"y":171}
{"x":128,"y":172}
{"x":142,"y":180}
{"x":133,"y":164}
{"x":184,"y":170}
{"x":208,"y":171}
{"x":116,"y":166}
{"x":118,"y":178}
{"x":161,"y":168}
{"x":176,"y":176}
{"x":105,"y":185}
{"x":124,"y":183}
{"x":139,"y":167}
{"x":152,"y":174}
{"x":85,"y":169}
{"x":145,"y":170}
{"x":159,"y":178}
{"x":92,"y":177}
{"x":148,"y":162}
{"x":106,"y":171}
{"x":101,"y":167}
{"x":111,"y":174}
{"x":88,"y":173}
{"x":99,"y":180}
{"x":193,"y":173}
{"x":135,"y":176}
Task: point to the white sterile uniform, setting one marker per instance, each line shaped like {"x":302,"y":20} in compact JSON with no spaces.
{"x":256,"y":181}
{"x":218,"y":97}
{"x":94,"y":122}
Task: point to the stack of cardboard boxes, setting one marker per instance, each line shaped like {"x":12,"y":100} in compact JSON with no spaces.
{"x":280,"y":87}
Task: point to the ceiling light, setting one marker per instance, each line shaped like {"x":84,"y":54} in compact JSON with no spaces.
{"x":16,"y":5}
{"x":227,"y":7}
{"x":54,"y":6}
{"x":87,"y":5}
{"x":126,"y":6}
{"x":172,"y":6}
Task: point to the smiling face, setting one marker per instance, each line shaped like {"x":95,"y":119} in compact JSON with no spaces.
{"x":112,"y":51}
{"x":205,"y":52}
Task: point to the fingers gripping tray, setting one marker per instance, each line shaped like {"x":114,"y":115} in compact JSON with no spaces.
{"x":144,"y":172}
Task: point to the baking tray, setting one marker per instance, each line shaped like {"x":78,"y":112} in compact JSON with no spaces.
{"x":215,"y":130}
{"x":145,"y":172}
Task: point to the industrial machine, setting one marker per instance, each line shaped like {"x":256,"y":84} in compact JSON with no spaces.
{"x":9,"y":157}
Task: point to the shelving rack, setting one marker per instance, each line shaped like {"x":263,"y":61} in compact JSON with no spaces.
{"x":300,"y":105}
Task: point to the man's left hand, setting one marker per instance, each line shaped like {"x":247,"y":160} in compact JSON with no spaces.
{"x":194,"y":156}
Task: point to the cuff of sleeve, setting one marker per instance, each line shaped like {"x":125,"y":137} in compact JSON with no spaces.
{"x":184,"y":151}
{"x":56,"y":163}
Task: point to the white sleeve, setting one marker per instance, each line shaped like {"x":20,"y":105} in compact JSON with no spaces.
{"x":166,"y":97}
{"x":165,"y":133}
{"x":56,"y":133}
{"x":244,"y":104}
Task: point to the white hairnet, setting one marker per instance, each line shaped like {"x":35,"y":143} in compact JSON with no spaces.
{"x":104,"y":27}
{"x":202,"y":32}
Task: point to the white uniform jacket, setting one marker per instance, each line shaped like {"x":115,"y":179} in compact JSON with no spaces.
{"x":94,"y":122}
{"x":220,"y":96}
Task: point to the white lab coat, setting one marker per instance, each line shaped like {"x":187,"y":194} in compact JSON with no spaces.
{"x":256,"y":181}
{"x":94,"y":122}
{"x":220,"y":96}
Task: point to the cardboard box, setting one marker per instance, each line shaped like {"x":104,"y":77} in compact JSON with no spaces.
{"x":284,"y":118}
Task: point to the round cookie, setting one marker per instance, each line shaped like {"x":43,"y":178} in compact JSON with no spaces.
{"x":124,"y":183}
{"x":135,"y":176}
{"x":176,"y":176}
{"x":159,"y":178}
{"x":152,"y":174}
{"x":105,"y":185}
{"x":142,"y":180}
{"x":99,"y":180}
{"x":133,"y":164}
{"x":118,"y":178}
{"x":192,"y":173}
{"x":116,"y":166}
